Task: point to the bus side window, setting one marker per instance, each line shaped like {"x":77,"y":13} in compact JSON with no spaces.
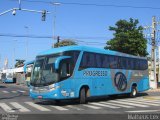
{"x":145,"y":64}
{"x":123,"y":63}
{"x":111,"y":62}
{"x":98,"y":60}
{"x":105,"y":61}
{"x":84,"y":60}
{"x":66,"y":69}
{"x":91,"y":60}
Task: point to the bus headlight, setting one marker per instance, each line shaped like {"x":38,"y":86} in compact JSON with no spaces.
{"x":53,"y":87}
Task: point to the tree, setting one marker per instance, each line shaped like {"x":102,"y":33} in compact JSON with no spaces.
{"x":128,"y":38}
{"x":19,"y":63}
{"x":66,"y":42}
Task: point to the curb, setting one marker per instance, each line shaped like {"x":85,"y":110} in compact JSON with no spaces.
{"x":153,"y":90}
{"x":152,"y":97}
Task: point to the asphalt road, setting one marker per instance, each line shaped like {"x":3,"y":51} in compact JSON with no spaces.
{"x":15,"y":100}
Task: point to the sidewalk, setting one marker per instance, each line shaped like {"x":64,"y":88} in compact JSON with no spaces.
{"x":151,"y":97}
{"x":154,"y":90}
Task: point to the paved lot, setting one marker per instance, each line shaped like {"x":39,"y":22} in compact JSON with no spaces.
{"x":15,"y":99}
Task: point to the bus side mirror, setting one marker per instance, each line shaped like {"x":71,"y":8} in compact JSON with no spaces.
{"x":58,"y":60}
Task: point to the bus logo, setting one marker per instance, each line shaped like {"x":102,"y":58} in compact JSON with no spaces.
{"x":120,"y":81}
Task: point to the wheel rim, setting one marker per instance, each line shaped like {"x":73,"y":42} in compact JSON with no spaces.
{"x":134,"y":92}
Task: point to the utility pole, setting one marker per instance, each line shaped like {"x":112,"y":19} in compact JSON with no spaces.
{"x":153,"y":55}
{"x":158,"y":63}
{"x":54,"y":19}
{"x":0,"y":61}
{"x":14,"y":51}
{"x":27,"y":30}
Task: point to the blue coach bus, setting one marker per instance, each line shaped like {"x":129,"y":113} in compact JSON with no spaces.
{"x":82,"y":72}
{"x":8,"y":76}
{"x":28,"y":66}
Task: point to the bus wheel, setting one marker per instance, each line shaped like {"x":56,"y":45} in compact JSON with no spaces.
{"x":82,"y":97}
{"x":133,"y":92}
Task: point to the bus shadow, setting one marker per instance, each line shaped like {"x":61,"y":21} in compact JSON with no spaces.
{"x":1,"y":86}
{"x":92,"y":99}
{"x":12,"y":97}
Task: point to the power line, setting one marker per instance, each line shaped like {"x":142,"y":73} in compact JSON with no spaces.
{"x":64,"y":37}
{"x":25,"y":36}
{"x":76,"y":39}
{"x":92,"y":4}
{"x":50,"y":37}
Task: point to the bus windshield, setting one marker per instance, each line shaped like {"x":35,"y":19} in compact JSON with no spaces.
{"x":44,"y":73}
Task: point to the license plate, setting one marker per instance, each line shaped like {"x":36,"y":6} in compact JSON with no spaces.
{"x":40,"y":97}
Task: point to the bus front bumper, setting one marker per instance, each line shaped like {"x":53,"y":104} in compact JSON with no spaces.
{"x":57,"y":94}
{"x":8,"y":81}
{"x":45,"y":95}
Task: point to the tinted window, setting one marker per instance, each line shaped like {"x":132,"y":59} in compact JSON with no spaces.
{"x":98,"y":60}
{"x":144,"y":64}
{"x":88,"y":60}
{"x":123,"y":63}
{"x":91,"y":60}
{"x":105,"y":61}
{"x":74,"y":56}
{"x":95,"y":60}
{"x":66,"y":69}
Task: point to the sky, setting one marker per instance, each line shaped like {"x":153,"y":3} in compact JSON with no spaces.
{"x":87,"y":24}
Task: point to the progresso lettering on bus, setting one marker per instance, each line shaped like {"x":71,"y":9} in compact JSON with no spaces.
{"x":95,"y":73}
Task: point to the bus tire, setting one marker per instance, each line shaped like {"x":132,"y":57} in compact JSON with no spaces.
{"x":133,"y":92}
{"x":82,"y":97}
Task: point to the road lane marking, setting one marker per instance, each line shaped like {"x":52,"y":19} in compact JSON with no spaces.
{"x":150,"y":101}
{"x":141,"y":102}
{"x":5,"y":91}
{"x":37,"y":106}
{"x":14,"y":91}
{"x":21,"y":91}
{"x":59,"y":108}
{"x":73,"y":107}
{"x":140,"y":111}
{"x":128,"y":103}
{"x":128,"y":99}
{"x":19,"y":107}
{"x":6,"y":108}
{"x":119,"y":105}
{"x":93,"y":107}
{"x":104,"y":105}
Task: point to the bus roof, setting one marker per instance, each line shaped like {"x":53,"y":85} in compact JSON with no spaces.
{"x":87,"y":49}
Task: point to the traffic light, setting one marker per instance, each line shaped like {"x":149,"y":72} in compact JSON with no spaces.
{"x":43,"y":15}
{"x":58,"y":39}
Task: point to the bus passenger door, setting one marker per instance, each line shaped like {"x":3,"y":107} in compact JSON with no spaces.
{"x":66,"y":71}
